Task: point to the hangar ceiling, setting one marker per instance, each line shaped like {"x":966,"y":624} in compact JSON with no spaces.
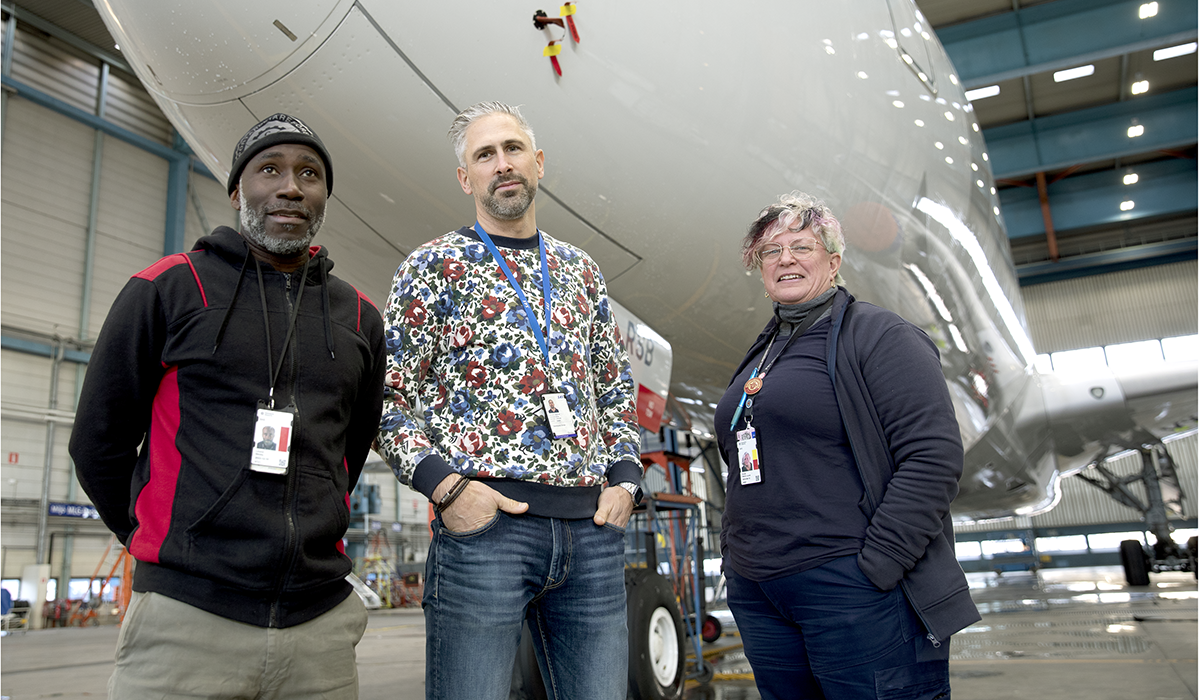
{"x":1076,"y":132}
{"x":1071,"y":135}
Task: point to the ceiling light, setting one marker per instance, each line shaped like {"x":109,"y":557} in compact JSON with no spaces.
{"x":985,"y":156}
{"x":949,"y":160}
{"x":1135,"y":131}
{"x":1139,"y":87}
{"x":1073,"y":73}
{"x":938,"y":145}
{"x":1127,"y":205}
{"x":983,"y":92}
{"x":918,"y":122}
{"x":1130,"y":179}
{"x":1173,"y":51}
{"x":996,"y":211}
{"x":861,"y":75}
{"x":829,"y":50}
{"x":950,"y":116}
{"x":974,"y":126}
{"x":954,"y":78}
{"x":993,"y":190}
{"x":979,"y":183}
{"x":1148,"y":10}
{"x":975,"y":167}
{"x":962,"y":140}
{"x":898,"y":104}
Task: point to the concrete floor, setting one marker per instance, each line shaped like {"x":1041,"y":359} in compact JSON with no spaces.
{"x":1063,"y":634}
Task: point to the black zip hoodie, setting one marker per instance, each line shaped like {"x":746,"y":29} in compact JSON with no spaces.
{"x":165,"y":427}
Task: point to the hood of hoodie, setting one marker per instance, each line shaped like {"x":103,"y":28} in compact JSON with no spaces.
{"x":232,"y":247}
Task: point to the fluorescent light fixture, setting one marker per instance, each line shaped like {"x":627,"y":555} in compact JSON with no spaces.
{"x":1130,"y":179}
{"x":1073,"y":73}
{"x":1174,"y":51}
{"x":1139,"y":87}
{"x":1127,"y":205}
{"x":1148,"y":10}
{"x":983,"y":92}
{"x":1135,"y":131}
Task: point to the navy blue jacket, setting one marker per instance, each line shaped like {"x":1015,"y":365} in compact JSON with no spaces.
{"x":897,"y":413}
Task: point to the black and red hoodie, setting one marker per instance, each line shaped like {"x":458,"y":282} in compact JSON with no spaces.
{"x":165,"y":426}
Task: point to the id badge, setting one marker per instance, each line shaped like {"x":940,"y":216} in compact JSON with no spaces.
{"x":748,"y":464}
{"x":559,"y":415}
{"x":272,"y":441}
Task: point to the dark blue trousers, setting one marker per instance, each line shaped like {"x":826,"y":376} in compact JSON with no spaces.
{"x":830,"y":633}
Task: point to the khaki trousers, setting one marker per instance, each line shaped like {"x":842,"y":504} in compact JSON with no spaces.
{"x":168,"y":649}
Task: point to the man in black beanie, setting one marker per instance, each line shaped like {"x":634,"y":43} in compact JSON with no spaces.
{"x":239,"y":588}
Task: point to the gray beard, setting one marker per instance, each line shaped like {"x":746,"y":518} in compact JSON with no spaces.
{"x":254,"y":228}
{"x":512,"y":207}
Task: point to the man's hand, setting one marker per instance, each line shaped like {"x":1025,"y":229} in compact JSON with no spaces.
{"x":475,"y":506}
{"x":615,"y":507}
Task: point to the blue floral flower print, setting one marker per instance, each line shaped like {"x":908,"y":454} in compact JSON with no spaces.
{"x":445,"y":303}
{"x":393,"y":337}
{"x":537,"y":439}
{"x":505,"y":354}
{"x":475,"y":252}
{"x":518,"y":319}
{"x":460,"y":403}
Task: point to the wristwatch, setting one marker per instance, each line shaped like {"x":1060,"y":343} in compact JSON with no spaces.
{"x":634,"y":490}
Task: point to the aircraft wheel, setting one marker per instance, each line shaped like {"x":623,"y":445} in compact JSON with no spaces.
{"x":710,"y":631}
{"x":1193,"y":555}
{"x":1133,"y":560}
{"x":656,"y":657}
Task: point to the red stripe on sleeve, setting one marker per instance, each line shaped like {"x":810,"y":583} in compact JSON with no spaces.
{"x":156,"y":501}
{"x":203,"y":296}
{"x":151,"y":273}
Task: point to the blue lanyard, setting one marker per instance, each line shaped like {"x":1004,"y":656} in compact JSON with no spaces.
{"x":531,"y":317}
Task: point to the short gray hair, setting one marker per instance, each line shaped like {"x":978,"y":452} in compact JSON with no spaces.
{"x":794,"y":211}
{"x":458,"y":128}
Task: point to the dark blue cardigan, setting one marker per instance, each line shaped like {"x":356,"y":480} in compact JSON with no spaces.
{"x":897,"y":413}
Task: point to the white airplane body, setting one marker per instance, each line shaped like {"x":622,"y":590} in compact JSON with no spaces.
{"x":670,"y":127}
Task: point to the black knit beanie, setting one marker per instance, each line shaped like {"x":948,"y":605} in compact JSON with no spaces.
{"x":277,"y":129}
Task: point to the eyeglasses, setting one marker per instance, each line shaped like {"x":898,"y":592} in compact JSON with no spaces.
{"x":801,"y":250}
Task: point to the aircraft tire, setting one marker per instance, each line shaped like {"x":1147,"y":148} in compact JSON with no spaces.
{"x":1193,"y":556}
{"x":710,"y":629}
{"x":656,"y":656}
{"x":1133,"y":560}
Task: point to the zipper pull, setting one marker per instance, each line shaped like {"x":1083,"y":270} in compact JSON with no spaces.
{"x":933,"y":639}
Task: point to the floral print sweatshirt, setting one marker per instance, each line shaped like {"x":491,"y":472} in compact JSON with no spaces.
{"x":465,"y":374}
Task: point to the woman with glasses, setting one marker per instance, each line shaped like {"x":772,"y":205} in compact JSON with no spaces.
{"x":838,"y":549}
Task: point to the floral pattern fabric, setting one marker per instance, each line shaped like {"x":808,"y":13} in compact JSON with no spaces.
{"x":465,"y":371}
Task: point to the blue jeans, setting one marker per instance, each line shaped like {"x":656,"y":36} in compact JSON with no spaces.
{"x":830,"y":633}
{"x":566,"y":577}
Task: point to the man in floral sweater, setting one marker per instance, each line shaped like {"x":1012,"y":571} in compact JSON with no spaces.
{"x":510,"y":405}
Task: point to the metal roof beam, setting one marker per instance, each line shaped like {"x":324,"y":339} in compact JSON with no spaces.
{"x":1163,"y":187}
{"x":1109,"y":261}
{"x":1168,"y":120}
{"x":1061,"y":34}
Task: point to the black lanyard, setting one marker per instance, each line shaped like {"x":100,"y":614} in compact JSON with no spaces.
{"x":262,"y":295}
